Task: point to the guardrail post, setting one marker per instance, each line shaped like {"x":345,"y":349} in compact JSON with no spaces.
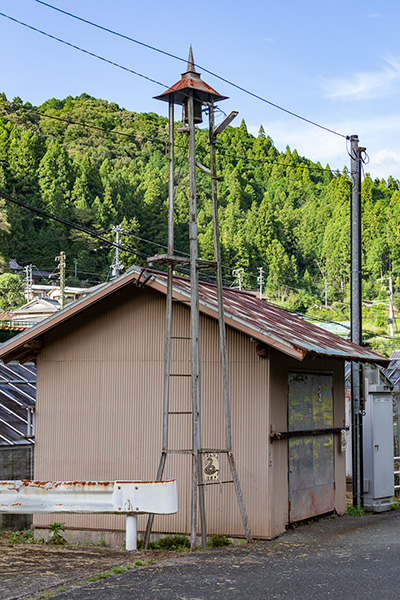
{"x":131,"y":532}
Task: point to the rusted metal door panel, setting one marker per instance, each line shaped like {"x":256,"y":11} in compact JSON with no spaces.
{"x":311,"y":458}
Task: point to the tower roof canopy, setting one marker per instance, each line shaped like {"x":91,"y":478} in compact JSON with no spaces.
{"x":190,"y":84}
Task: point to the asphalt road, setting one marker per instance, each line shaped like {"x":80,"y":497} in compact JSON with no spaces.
{"x":341,"y":558}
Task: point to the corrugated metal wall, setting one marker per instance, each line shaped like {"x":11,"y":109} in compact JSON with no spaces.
{"x":99,"y":409}
{"x":278,"y":450}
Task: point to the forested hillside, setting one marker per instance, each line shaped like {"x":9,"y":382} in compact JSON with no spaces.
{"x":100,"y":165}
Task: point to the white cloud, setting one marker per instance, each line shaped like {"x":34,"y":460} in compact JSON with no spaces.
{"x":379,"y":134}
{"x":374,"y":15}
{"x":364,"y":85}
{"x":385,"y":162}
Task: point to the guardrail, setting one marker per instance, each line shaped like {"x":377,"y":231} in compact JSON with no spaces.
{"x":396,"y":472}
{"x":116,"y":497}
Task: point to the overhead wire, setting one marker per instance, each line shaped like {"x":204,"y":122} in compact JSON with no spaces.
{"x":170,"y":55}
{"x":129,"y":249}
{"x":222,"y":150}
{"x":93,"y":54}
{"x":153,"y":81}
{"x":71,"y":224}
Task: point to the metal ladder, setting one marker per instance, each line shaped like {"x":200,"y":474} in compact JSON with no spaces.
{"x":197,"y":452}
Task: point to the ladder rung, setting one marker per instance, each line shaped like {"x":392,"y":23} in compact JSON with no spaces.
{"x":215,"y":482}
{"x":179,"y":412}
{"x":213,"y":450}
{"x":179,"y":451}
{"x":180,"y":375}
{"x":180,"y":337}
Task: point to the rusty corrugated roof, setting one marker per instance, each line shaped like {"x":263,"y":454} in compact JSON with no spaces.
{"x":277,"y":328}
{"x":179,"y":90}
{"x":190,"y":81}
{"x":288,"y":333}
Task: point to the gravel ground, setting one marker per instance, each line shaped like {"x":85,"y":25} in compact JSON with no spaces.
{"x":343,"y":557}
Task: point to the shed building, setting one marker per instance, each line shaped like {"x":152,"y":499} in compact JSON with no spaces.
{"x":17,"y":406}
{"x":99,"y":402}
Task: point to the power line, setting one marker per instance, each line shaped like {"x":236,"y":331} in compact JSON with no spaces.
{"x":221,"y":149}
{"x":96,"y":127}
{"x":274,"y":161}
{"x":71,"y":224}
{"x":165,"y":53}
{"x":106,"y":60}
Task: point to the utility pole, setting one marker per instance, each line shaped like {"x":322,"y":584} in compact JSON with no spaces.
{"x":213,"y":132}
{"x":76,"y":268}
{"x":238,"y":273}
{"x":116,"y":266}
{"x":61,"y":263}
{"x":260,"y":280}
{"x":29,"y":282}
{"x":326,"y":293}
{"x":389,"y":291}
{"x":391,"y":312}
{"x":356,"y":323}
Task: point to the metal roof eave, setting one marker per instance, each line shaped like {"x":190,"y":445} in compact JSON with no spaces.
{"x":26,"y":345}
{"x":20,"y":348}
{"x":295,"y":351}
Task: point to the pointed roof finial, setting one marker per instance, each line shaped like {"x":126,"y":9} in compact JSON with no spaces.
{"x":190,"y":66}
{"x":190,"y":84}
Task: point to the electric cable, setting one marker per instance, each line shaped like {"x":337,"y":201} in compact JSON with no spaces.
{"x":165,"y":53}
{"x":96,"y":127}
{"x":106,"y":60}
{"x":220,"y":148}
{"x":71,"y":224}
{"x":126,"y":248}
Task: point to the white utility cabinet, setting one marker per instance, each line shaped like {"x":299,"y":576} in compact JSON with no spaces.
{"x":378,"y":447}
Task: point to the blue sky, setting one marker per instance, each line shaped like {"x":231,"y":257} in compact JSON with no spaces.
{"x":335,"y":63}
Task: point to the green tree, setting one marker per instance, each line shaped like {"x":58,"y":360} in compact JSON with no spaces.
{"x":11,"y":291}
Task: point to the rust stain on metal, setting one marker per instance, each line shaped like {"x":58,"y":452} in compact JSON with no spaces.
{"x":273,"y":326}
{"x":270,"y":324}
{"x":155,"y":482}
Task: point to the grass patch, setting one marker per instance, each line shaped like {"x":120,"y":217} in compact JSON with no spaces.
{"x":355,"y":511}
{"x":218,"y":541}
{"x":177,"y":543}
{"x":117,"y":570}
{"x":22,"y":537}
{"x":99,"y":576}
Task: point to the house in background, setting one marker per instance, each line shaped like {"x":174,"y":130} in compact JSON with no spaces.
{"x":17,"y":435}
{"x":53,"y":292}
{"x":35,"y":310}
{"x":100,"y":363}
